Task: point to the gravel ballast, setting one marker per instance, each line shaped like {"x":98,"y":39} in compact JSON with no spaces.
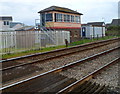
{"x":61,"y":61}
{"x":87,"y":67}
{"x":110,"y":77}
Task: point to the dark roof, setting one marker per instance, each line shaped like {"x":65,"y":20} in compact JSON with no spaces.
{"x":6,"y":18}
{"x":96,"y":23}
{"x":12,"y":24}
{"x":115,"y":22}
{"x":60,"y":9}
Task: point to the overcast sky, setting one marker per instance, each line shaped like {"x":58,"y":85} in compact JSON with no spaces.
{"x":25,"y":11}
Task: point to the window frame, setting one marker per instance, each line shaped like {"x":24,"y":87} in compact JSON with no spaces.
{"x":77,"y":19}
{"x":6,"y":23}
{"x":49,"y":18}
{"x":72,"y":18}
{"x":58,"y":17}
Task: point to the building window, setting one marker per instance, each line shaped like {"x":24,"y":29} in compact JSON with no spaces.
{"x":49,"y":17}
{"x":6,"y":22}
{"x":65,"y":18}
{"x":58,"y":17}
{"x":72,"y":18}
{"x":77,"y":19}
{"x":68,"y":18}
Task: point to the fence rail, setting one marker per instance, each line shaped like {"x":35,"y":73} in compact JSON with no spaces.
{"x":16,"y":41}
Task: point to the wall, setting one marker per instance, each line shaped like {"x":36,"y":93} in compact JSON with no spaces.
{"x":94,"y":31}
{"x":1,"y":23}
{"x":74,"y":34}
{"x":4,"y":27}
{"x":63,"y":25}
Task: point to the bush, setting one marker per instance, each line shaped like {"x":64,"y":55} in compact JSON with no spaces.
{"x":116,"y":28}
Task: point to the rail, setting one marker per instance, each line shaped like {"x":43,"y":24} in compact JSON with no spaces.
{"x":36,"y":54}
{"x":39,"y":60}
{"x":86,"y":78}
{"x":60,"y":68}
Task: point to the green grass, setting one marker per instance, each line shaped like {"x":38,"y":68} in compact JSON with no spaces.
{"x":6,"y":56}
{"x":91,"y":40}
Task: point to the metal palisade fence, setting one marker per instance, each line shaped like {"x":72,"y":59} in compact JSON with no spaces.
{"x":17,"y":41}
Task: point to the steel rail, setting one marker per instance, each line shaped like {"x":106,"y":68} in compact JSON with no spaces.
{"x":36,"y":54}
{"x":60,"y":68}
{"x":87,"y":77}
{"x":3,"y":69}
{"x":10,"y":67}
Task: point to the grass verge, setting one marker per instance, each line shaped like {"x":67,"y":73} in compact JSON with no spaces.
{"x":6,"y":56}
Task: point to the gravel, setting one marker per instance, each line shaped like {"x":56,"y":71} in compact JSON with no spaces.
{"x":61,"y":61}
{"x":110,"y":77}
{"x":87,"y":67}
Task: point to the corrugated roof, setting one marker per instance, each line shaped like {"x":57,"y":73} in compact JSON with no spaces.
{"x":6,"y":18}
{"x":60,"y":9}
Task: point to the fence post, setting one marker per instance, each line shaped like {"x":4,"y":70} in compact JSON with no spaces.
{"x":91,"y":37}
{"x":102,"y":36}
{"x":97,"y":36}
{"x":66,"y":42}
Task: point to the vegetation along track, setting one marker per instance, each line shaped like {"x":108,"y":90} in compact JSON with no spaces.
{"x":55,"y":80}
{"x":11,"y":74}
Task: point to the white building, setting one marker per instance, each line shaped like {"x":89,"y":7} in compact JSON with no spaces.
{"x":5,"y":22}
{"x":94,"y":29}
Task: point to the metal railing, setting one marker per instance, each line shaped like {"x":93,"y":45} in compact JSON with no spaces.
{"x":17,"y":41}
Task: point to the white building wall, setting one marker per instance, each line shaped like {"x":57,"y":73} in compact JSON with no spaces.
{"x":98,"y":31}
{"x":1,"y":24}
{"x":91,"y":31}
{"x":94,"y":31}
{"x":88,"y":31}
{"x":4,"y":27}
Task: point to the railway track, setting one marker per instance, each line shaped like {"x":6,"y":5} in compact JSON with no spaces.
{"x":30,"y":59}
{"x":55,"y":81}
{"x":84,"y":86}
{"x":27,"y":70}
